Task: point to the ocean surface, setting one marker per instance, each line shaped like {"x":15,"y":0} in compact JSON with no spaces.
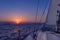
{"x":15,"y":32}
{"x":11,"y":30}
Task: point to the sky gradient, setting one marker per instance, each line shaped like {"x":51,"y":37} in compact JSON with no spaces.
{"x":24,"y":10}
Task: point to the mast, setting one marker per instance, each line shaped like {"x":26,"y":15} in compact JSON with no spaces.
{"x":52,"y":18}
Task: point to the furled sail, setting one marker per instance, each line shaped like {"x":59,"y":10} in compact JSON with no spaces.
{"x":53,"y":16}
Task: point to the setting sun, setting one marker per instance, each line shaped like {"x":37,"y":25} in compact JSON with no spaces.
{"x":17,"y":20}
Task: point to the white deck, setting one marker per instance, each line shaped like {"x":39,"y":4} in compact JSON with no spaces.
{"x":45,"y":36}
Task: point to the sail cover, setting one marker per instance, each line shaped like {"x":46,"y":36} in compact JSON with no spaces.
{"x":52,"y":12}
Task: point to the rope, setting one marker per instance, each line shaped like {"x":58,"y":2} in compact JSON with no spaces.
{"x":37,"y":12}
{"x":34,"y":33}
{"x":40,"y":19}
{"x":36,"y":19}
{"x":43,"y":15}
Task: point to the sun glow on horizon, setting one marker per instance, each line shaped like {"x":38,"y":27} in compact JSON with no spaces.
{"x":17,"y":20}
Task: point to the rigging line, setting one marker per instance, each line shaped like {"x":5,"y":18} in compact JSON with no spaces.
{"x":34,"y":36}
{"x":43,"y":15}
{"x":48,"y":10}
{"x":37,"y":12}
{"x":43,"y":12}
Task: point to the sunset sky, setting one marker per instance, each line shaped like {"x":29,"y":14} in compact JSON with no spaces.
{"x":22,"y":10}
